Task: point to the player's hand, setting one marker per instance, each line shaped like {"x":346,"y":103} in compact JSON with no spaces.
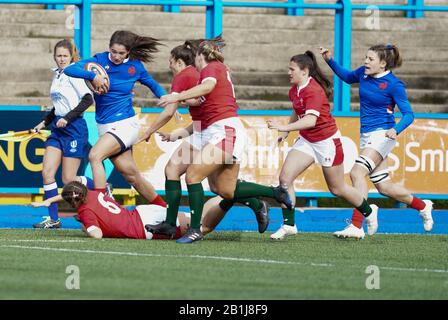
{"x":45,"y":203}
{"x":39,"y":127}
{"x":167,"y":137}
{"x":100,"y":84}
{"x":391,"y":134}
{"x":62,"y":123}
{"x":326,"y":53}
{"x":167,"y":99}
{"x":276,"y":126}
{"x":146,"y":136}
{"x":282,"y":137}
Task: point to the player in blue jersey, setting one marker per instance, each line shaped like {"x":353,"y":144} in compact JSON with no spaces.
{"x":117,"y":122}
{"x":68,"y":141}
{"x":379,"y":91}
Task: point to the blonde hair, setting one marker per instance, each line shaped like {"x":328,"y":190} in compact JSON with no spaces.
{"x":70,"y":46}
{"x":212,"y":49}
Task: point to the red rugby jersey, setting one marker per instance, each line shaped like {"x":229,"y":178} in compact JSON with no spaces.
{"x":311,"y":99}
{"x":220,"y":103}
{"x":184,"y":80}
{"x":106,"y":214}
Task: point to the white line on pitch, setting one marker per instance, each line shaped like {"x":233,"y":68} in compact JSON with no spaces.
{"x":170,"y":256}
{"x":41,"y":240}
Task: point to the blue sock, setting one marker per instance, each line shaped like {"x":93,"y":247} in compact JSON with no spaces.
{"x":51,"y":190}
{"x":87,"y":182}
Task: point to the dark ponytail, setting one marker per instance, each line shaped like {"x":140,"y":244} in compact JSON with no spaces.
{"x":75,"y":193}
{"x":308,"y":60}
{"x":187,"y":51}
{"x":388,"y":53}
{"x":140,"y":48}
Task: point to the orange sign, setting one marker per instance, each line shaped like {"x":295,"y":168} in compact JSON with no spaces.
{"x":419,"y":162}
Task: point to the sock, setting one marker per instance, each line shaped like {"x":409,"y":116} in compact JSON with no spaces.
{"x":51,"y":190}
{"x":173,"y":194}
{"x":364,"y":208}
{"x":196,"y":199}
{"x":159,"y":201}
{"x":288,"y":216}
{"x":87,"y":182}
{"x":357,"y":218}
{"x":226,"y":204}
{"x":417,"y":204}
{"x":248,"y":190}
{"x":252,"y":203}
{"x":102,"y":190}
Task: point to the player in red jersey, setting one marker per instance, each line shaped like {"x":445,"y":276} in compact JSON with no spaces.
{"x":223,"y":138}
{"x":319,"y":138}
{"x":102,"y":217}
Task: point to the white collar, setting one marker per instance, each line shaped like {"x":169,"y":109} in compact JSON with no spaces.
{"x":110,"y":59}
{"x":382,"y":74}
{"x":303,"y":87}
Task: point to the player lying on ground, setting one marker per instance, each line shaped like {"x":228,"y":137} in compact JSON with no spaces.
{"x":102,"y":217}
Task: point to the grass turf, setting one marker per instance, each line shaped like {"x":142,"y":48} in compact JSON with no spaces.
{"x":227,"y":265}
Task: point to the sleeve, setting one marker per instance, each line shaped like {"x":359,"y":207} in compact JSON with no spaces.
{"x":79,"y":85}
{"x":49,"y":117}
{"x":76,"y":70}
{"x":314,"y":102}
{"x":153,"y":85}
{"x":401,"y":99}
{"x":85,"y":102}
{"x":178,"y":85}
{"x":347,"y":76}
{"x":89,"y":220}
{"x":209,"y":73}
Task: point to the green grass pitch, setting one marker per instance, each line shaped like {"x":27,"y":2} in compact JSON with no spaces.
{"x":227,"y":265}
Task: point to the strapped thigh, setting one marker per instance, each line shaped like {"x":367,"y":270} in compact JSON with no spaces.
{"x":365,"y":161}
{"x":380,"y":176}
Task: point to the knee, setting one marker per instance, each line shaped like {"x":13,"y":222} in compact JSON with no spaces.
{"x":191,"y":177}
{"x":337,"y":191}
{"x":226,"y":194}
{"x":48,"y":175}
{"x":382,"y":189}
{"x":67,"y":178}
{"x":95,"y":156}
{"x":172,"y":172}
{"x":357,"y":174}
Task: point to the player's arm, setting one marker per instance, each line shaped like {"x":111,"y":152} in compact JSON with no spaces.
{"x":94,"y":232}
{"x":207,"y":86}
{"x":161,"y":120}
{"x":307,"y":122}
{"x":177,"y":134}
{"x":47,"y":202}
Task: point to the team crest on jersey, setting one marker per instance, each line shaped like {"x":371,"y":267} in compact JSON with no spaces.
{"x":131,"y":70}
{"x":382,"y":85}
{"x":73,"y":146}
{"x":390,"y":109}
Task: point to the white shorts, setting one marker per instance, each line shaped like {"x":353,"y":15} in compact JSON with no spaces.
{"x":196,"y":140}
{"x":152,"y":214}
{"x":125,"y":131}
{"x":328,"y":152}
{"x":227,"y":134}
{"x":377,"y":141}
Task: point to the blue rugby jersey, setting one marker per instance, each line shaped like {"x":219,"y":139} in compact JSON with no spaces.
{"x":116,"y":104}
{"x":378,"y":97}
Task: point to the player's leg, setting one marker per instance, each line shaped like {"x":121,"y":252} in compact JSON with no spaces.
{"x":296,"y":162}
{"x":381,"y":180}
{"x":212,"y":214}
{"x":51,"y":162}
{"x":106,"y":146}
{"x":126,"y":165}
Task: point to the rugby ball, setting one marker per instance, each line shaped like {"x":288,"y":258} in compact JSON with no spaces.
{"x":98,"y":69}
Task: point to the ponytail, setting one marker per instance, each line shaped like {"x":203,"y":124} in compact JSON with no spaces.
{"x":212,"y":49}
{"x":388,"y":53}
{"x":140,"y":48}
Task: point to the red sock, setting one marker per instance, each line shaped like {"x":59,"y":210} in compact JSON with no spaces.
{"x":357,"y":218}
{"x":417,"y":204}
{"x":159,"y":201}
{"x":103,"y":190}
